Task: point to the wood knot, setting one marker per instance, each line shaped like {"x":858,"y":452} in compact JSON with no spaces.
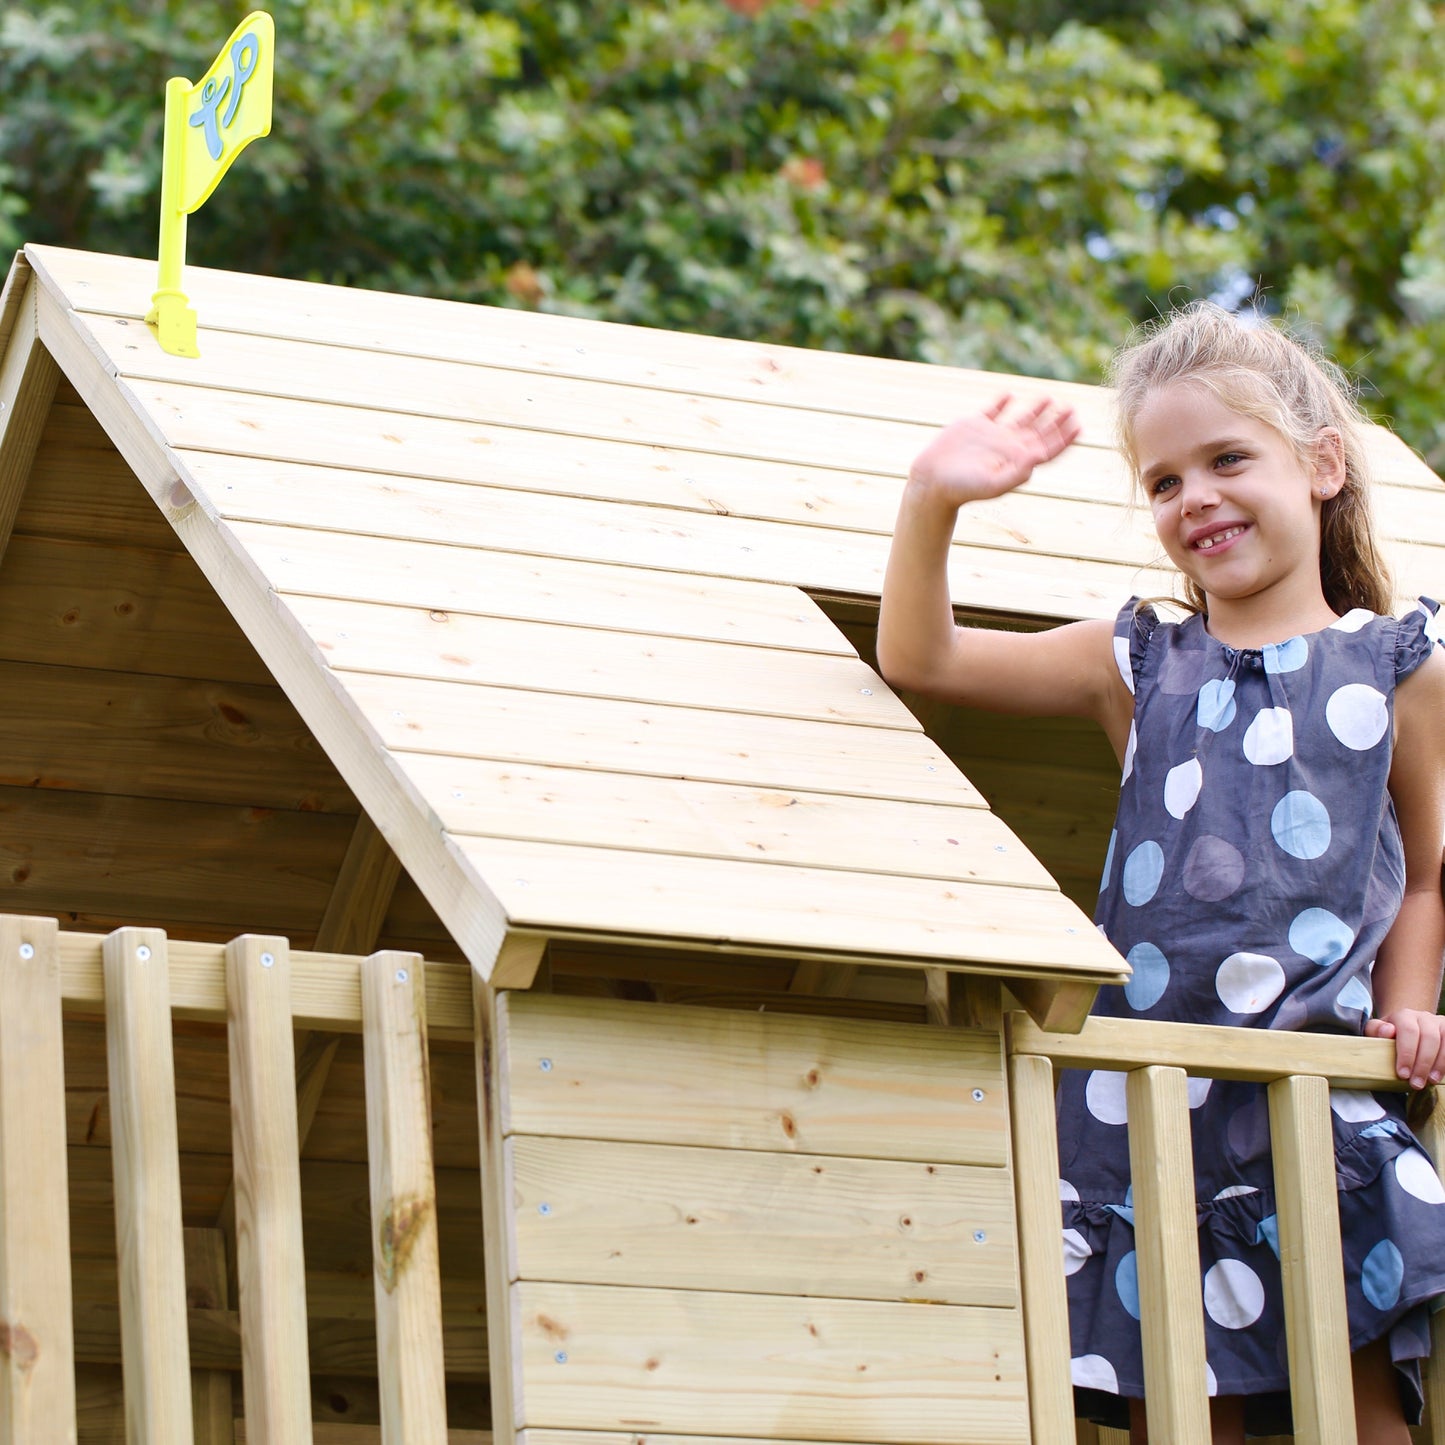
{"x":19,"y":1346}
{"x":401,"y":1227}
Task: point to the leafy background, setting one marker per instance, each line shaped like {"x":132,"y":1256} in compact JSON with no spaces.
{"x":1008,"y":184}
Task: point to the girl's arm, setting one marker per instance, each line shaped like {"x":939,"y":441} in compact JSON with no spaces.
{"x":1066,"y":670}
{"x":1406,"y":978}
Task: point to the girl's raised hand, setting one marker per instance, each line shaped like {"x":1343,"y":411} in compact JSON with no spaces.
{"x":986,"y":454}
{"x":1419,"y":1044}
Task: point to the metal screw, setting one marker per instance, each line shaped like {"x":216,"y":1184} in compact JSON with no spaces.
{"x":1000,"y":847}
{"x":544,"y":1209}
{"x":267,"y":960}
{"x":866,"y":691}
{"x":27,"y":950}
{"x":143,"y":953}
{"x":397,"y":714}
{"x":455,"y":794}
{"x":979,"y":1236}
{"x":1071,"y":930}
{"x":931,"y":768}
{"x":560,"y":1357}
{"x":545,"y":1065}
{"x":978,"y":1096}
{"x":402,"y":975}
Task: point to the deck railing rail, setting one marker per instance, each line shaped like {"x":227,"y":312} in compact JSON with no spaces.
{"x":1299,"y":1071}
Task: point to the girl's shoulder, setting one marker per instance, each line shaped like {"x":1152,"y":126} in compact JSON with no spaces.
{"x":1140,"y":634}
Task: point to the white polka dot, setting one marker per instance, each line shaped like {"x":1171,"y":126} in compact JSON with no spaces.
{"x":1233,"y":1294}
{"x":1181,"y":787}
{"x":1076,"y":1251}
{"x":1353,"y":620}
{"x":1093,"y":1372}
{"x":1269,"y":739}
{"x":1236,"y":1191}
{"x":1129,"y":754}
{"x":1416,"y":1175}
{"x":1382,"y":1272}
{"x":1143,"y":869}
{"x":1104,"y":1094}
{"x":1211,"y":1381}
{"x":1247,"y":983}
{"x":1121,"y":658}
{"x":1301,"y":825}
{"x":1216,"y":707}
{"x":1355,"y":1106}
{"x":1198,"y":1091}
{"x":1067,"y":1191}
{"x":1358,"y":715}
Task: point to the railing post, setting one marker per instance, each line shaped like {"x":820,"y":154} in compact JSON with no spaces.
{"x":1167,"y":1240}
{"x":1045,"y":1302}
{"x":403,"y":1200}
{"x":1311,"y":1261}
{"x":37,"y":1361}
{"x":275,"y":1370}
{"x":145,"y":1155}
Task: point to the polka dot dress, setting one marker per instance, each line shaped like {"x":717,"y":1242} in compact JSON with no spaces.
{"x":1254,"y":869}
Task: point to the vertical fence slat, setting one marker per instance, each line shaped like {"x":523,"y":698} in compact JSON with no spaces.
{"x":1311,"y":1260}
{"x":145,"y":1157}
{"x":1167,"y":1240}
{"x":403,"y":1200}
{"x":37,"y":1347}
{"x":1432,"y":1135}
{"x":1036,"y":1189}
{"x":271,"y":1268}
{"x":503,"y":1353}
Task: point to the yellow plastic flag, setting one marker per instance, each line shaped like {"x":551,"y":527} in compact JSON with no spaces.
{"x":208,"y":125}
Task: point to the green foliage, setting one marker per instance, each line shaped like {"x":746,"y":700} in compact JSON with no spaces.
{"x":995,"y":183}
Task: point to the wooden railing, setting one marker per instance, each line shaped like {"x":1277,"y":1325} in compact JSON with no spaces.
{"x":262,"y":991}
{"x":1299,"y":1071}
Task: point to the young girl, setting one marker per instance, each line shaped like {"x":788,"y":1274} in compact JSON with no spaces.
{"x":1276,"y":856}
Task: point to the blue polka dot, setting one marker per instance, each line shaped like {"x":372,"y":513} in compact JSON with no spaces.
{"x":1151,"y":976}
{"x":1216,"y":708}
{"x":1354,"y":995}
{"x":1109,"y":861}
{"x":1126,"y":1281}
{"x":1267,"y":1232}
{"x":1382,"y":1274}
{"x":1301,"y":825}
{"x":1286,"y":656}
{"x":1318,"y":935}
{"x":1143,"y":869}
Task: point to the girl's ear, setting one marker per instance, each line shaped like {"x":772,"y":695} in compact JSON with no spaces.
{"x":1329,"y":479}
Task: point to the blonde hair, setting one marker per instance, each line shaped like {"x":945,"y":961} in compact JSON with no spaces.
{"x":1259,"y":370}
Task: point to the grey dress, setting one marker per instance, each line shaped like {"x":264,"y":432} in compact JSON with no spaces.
{"x":1254,"y":868}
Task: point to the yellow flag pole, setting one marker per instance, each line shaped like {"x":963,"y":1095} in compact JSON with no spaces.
{"x":171,"y":312}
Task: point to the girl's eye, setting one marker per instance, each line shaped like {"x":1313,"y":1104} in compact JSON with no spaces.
{"x":1162,"y":485}
{"x":1228,"y":459}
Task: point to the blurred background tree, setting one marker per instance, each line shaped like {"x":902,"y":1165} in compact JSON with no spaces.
{"x":1006,"y":184}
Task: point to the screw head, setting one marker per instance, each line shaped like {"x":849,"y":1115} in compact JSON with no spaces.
{"x":978,"y":1096}
{"x":27,"y":950}
{"x":268,"y":960}
{"x":143,"y":953}
{"x":979,"y":1236}
{"x":402,"y":975}
{"x":545,"y":1065}
{"x":560,"y":1357}
{"x":544,"y":1209}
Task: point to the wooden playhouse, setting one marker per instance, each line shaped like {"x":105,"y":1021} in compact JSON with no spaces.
{"x":489,"y":958}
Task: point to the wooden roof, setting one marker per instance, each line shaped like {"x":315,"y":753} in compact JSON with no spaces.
{"x":540,"y":588}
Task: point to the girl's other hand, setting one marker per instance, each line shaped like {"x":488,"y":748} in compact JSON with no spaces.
{"x":1419,"y":1043}
{"x":986,"y":454}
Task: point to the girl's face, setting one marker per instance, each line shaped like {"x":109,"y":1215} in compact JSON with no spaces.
{"x":1235,"y":507}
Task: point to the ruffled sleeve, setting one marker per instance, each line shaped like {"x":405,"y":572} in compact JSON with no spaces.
{"x":1133,"y":628}
{"x":1417,"y":634}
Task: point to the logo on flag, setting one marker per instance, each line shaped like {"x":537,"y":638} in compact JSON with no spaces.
{"x":228,"y":108}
